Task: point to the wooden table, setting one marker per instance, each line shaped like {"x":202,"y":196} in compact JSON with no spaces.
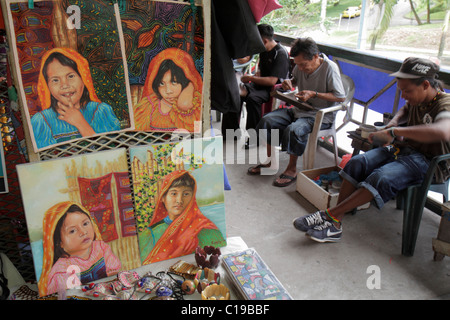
{"x":359,"y":143}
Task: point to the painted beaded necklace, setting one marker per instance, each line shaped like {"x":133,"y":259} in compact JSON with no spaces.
{"x":432,"y":100}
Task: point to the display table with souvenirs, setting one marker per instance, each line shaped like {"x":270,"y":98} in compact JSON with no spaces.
{"x":234,"y":272}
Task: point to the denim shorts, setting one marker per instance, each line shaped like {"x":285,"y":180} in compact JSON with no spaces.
{"x":384,"y":173}
{"x":294,"y":131}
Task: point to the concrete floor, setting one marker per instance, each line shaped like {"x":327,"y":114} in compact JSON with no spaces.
{"x":371,"y":244}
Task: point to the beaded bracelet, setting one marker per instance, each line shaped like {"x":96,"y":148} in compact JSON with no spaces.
{"x":331,"y":217}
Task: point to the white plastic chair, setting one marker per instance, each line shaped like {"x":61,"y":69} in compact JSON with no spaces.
{"x":310,"y":150}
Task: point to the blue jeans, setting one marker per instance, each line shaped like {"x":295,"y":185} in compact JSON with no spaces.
{"x":294,"y":131}
{"x":383,"y":173}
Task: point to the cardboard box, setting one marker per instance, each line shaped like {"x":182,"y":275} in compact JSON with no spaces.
{"x":314,"y":193}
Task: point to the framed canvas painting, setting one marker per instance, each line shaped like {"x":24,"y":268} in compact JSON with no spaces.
{"x":70,"y":68}
{"x":80,"y":217}
{"x":179,"y":197}
{"x":164,"y":42}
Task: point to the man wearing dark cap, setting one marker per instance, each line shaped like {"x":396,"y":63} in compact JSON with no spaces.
{"x":417,"y":133}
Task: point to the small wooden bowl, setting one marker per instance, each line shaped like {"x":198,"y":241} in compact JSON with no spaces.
{"x":216,"y":292}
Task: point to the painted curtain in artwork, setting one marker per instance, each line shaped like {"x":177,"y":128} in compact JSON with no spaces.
{"x":125,"y":204}
{"x":155,"y":31}
{"x":86,"y":34}
{"x":97,"y":198}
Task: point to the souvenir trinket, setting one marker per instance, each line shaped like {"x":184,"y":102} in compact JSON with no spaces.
{"x":184,"y":269}
{"x":24,"y":293}
{"x":88,"y":287}
{"x":162,"y":298}
{"x":122,"y":295}
{"x":173,"y":282}
{"x":77,"y":298}
{"x":116,"y":286}
{"x":201,"y":257}
{"x":53,"y":296}
{"x":126,"y":295}
{"x":188,"y":287}
{"x":128,"y":279}
{"x":148,"y":283}
{"x":164,"y":291}
{"x":216,"y":292}
{"x":206,"y":277}
{"x":97,"y":290}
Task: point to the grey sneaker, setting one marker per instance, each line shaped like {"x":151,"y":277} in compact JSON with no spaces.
{"x":310,"y":221}
{"x":326,"y":232}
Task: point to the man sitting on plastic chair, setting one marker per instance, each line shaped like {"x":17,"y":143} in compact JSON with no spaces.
{"x":379,"y":174}
{"x":319,"y":85}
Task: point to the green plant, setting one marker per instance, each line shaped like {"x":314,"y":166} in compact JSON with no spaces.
{"x":297,"y":15}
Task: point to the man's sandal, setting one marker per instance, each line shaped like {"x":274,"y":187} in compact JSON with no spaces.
{"x":258,"y":167}
{"x":284,"y":184}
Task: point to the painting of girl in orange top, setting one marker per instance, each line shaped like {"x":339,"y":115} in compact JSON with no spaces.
{"x":71,"y":108}
{"x":178,"y":226}
{"x":72,"y":241}
{"x":172,"y":94}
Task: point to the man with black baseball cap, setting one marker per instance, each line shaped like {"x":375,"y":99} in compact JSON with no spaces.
{"x":415,"y":68}
{"x":417,"y":133}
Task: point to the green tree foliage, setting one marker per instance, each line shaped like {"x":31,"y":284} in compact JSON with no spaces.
{"x":386,"y":7}
{"x":293,"y":14}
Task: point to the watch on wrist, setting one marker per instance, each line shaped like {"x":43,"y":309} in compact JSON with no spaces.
{"x":391,"y":131}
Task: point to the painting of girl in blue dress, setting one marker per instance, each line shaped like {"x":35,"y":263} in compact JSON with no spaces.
{"x":70,"y":106}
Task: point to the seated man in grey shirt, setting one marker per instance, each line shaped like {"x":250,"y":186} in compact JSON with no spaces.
{"x":319,"y":84}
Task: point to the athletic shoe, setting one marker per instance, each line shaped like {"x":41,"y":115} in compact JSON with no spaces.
{"x":310,"y":221}
{"x":326,"y":232}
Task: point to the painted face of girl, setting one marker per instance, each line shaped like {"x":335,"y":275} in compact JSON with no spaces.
{"x":169,"y":89}
{"x":64,"y":83}
{"x":176,"y":200}
{"x":77,"y":234}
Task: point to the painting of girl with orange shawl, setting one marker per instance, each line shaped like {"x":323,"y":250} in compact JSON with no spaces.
{"x":70,"y":107}
{"x":71,"y":238}
{"x":172,"y":94}
{"x":177,"y":226}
